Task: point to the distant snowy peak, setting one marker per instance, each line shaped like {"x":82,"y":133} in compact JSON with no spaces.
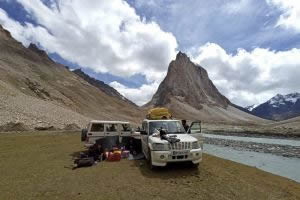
{"x":280,"y":107}
{"x":250,"y":108}
{"x":284,"y":99}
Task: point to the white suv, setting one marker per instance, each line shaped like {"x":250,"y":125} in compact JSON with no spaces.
{"x":185,"y":146}
{"x":113,"y":132}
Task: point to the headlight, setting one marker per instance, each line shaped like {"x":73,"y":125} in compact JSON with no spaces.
{"x":160,"y":147}
{"x":195,"y":145}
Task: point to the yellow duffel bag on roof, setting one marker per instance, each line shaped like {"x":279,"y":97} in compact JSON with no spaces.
{"x":159,"y":113}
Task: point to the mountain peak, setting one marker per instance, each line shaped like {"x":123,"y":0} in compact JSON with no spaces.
{"x":33,"y":47}
{"x":282,"y":99}
{"x":279,"y":107}
{"x":181,"y":55}
{"x":188,"y":83}
{"x":4,"y":32}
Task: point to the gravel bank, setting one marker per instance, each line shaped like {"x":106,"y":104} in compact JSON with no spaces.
{"x":280,"y":150}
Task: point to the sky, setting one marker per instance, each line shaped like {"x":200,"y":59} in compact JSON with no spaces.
{"x":250,"y":48}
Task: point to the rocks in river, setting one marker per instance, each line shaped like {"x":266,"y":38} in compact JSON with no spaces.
{"x":276,"y":149}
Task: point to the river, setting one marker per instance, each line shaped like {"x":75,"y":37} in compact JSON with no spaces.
{"x":280,"y":165}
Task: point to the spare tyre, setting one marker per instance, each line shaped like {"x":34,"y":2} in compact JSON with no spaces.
{"x":84,"y":134}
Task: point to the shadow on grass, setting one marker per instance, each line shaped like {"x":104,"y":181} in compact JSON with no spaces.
{"x":77,"y":154}
{"x":172,"y":170}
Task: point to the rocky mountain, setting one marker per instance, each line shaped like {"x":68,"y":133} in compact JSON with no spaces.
{"x":189,"y":93}
{"x":280,"y":107}
{"x":35,"y":91}
{"x":102,"y":86}
{"x":188,"y":83}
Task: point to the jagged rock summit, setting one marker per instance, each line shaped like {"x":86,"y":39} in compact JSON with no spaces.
{"x":188,"y":83}
{"x":4,"y":33}
{"x":189,"y":93}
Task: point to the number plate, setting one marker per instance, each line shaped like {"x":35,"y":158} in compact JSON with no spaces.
{"x":179,"y":153}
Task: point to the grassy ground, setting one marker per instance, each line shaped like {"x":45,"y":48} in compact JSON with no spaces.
{"x":38,"y":166}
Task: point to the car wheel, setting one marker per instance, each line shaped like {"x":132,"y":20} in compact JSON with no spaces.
{"x":195,"y":165}
{"x":84,"y":134}
{"x":150,"y":160}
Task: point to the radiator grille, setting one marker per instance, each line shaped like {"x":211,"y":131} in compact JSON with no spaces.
{"x":180,"y":146}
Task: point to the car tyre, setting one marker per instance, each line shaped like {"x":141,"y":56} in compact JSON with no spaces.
{"x":152,"y":167}
{"x":195,"y":165}
{"x":84,"y":134}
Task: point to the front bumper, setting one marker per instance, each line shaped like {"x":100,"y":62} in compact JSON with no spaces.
{"x":161,"y":158}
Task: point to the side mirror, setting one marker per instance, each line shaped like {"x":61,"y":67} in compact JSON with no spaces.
{"x":143,"y":132}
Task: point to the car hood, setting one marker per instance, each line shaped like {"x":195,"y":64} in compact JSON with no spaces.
{"x":182,"y":137}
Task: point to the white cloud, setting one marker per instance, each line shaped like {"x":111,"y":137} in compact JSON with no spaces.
{"x":106,"y":36}
{"x":140,"y":96}
{"x":237,"y":7}
{"x":290,"y":18}
{"x":248,"y":78}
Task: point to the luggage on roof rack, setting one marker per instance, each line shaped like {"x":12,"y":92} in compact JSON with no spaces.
{"x":158,"y":113}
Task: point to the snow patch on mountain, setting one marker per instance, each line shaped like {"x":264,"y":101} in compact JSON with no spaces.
{"x":279,"y":107}
{"x":250,"y":108}
{"x":283,"y":99}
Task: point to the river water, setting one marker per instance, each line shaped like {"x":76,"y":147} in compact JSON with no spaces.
{"x":282,"y":166}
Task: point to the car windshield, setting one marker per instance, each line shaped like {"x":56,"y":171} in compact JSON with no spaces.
{"x":169,"y":126}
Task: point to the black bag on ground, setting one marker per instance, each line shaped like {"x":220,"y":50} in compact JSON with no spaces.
{"x":84,"y":162}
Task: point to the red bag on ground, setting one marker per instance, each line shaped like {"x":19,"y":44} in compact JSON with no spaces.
{"x":114,"y":156}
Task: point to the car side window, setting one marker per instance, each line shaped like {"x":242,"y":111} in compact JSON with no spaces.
{"x":111,"y":127}
{"x":125,"y":127}
{"x":97,"y":127}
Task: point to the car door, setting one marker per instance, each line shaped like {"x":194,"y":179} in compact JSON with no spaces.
{"x":112,"y":135}
{"x":111,"y":130}
{"x":125,"y":130}
{"x":144,"y":138}
{"x":195,"y":130}
{"x":124,"y":134}
{"x":96,"y":131}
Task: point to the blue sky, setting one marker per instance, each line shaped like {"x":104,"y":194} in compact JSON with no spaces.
{"x":250,"y":48}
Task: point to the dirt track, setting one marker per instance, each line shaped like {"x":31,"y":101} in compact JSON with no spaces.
{"x":39,"y":168}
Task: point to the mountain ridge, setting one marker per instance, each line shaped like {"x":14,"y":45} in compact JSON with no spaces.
{"x":36,"y":91}
{"x":279,"y":107}
{"x":102,"y":86}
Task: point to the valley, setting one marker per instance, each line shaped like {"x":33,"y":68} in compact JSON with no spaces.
{"x":53,"y":177}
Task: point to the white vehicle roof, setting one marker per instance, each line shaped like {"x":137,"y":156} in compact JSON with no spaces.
{"x":109,"y":122}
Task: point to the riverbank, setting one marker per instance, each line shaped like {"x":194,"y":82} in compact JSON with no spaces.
{"x":275,"y":149}
{"x":252,"y":130}
{"x":38,"y":166}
